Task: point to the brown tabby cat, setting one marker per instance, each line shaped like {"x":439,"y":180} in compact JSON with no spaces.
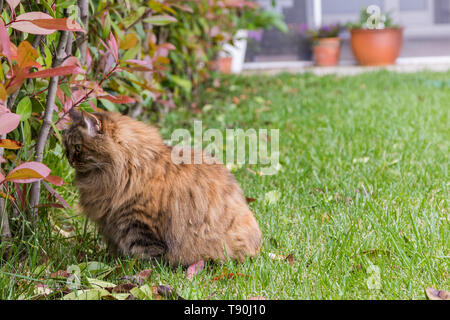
{"x":148,"y":206}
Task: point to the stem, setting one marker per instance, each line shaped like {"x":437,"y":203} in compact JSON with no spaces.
{"x":83,"y":5}
{"x":5,"y":231}
{"x":46,"y":125}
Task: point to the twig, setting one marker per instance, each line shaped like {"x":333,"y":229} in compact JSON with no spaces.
{"x":5,"y":231}
{"x":86,"y":96}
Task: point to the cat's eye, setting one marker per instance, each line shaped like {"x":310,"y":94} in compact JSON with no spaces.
{"x":78,"y":147}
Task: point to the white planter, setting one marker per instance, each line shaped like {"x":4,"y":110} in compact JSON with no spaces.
{"x":237,"y":52}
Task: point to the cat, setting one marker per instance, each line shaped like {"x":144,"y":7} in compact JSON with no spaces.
{"x":148,"y":206}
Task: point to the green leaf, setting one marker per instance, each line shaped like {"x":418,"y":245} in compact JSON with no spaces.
{"x":99,"y":284}
{"x":138,"y":293}
{"x":183,"y":83}
{"x":57,"y":133}
{"x":90,"y":294}
{"x":147,"y":291}
{"x":110,"y":106}
{"x":160,"y":20}
{"x":24,"y":108}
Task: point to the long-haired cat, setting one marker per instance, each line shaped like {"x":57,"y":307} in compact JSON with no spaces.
{"x":148,"y":206}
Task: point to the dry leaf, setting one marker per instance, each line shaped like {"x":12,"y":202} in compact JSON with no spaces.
{"x":123,"y":288}
{"x":144,"y":274}
{"x":257,"y":298}
{"x":290,"y":258}
{"x":434,"y":294}
{"x":167,"y":292}
{"x":249,"y":200}
{"x":195,"y":268}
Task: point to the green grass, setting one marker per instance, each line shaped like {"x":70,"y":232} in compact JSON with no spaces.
{"x":364,"y":184}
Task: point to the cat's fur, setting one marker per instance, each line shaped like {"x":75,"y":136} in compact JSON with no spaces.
{"x":148,"y":206}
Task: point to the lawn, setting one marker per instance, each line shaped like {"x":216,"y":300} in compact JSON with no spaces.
{"x":361,"y":199}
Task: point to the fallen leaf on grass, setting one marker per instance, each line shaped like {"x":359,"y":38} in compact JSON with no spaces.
{"x":100,"y":284}
{"x":146,"y":292}
{"x":194,"y":269}
{"x":141,"y":276}
{"x":90,"y":294}
{"x":116,"y":296}
{"x":123,"y":288}
{"x":257,"y":298}
{"x":434,"y":294}
{"x":289,"y":258}
{"x":249,"y":200}
{"x":167,"y":292}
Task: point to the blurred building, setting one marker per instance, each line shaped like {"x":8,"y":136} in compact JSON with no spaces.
{"x":426,"y":23}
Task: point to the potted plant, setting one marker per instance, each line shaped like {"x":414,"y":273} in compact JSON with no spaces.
{"x":375,"y":41}
{"x":250,"y":25}
{"x":326,"y":44}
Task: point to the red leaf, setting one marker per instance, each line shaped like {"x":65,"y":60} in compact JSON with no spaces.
{"x":24,"y":23}
{"x":58,"y":24}
{"x":49,"y":205}
{"x":53,"y":72}
{"x":5,"y":44}
{"x":73,"y":61}
{"x":28,"y":172}
{"x":8,"y":122}
{"x":118,"y":99}
{"x":113,"y":46}
{"x":56,"y":195}
{"x":57,"y":181}
{"x":194,"y":269}
{"x":167,"y":46}
{"x":13,"y":4}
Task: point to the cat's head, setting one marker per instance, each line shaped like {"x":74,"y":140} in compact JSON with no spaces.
{"x":88,"y":141}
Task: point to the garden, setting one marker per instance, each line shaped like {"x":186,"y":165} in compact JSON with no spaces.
{"x":357,"y":208}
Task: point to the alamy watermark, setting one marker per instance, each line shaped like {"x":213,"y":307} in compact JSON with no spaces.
{"x":187,"y":149}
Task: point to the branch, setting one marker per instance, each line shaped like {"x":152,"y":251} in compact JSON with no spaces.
{"x":5,"y":232}
{"x":83,"y":5}
{"x":49,"y":108}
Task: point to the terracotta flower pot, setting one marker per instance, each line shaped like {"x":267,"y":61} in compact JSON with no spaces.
{"x":224,"y":64}
{"x":326,"y":51}
{"x":377,"y":47}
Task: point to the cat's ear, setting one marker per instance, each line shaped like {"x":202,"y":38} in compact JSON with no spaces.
{"x":91,"y":123}
{"x":75,"y":115}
